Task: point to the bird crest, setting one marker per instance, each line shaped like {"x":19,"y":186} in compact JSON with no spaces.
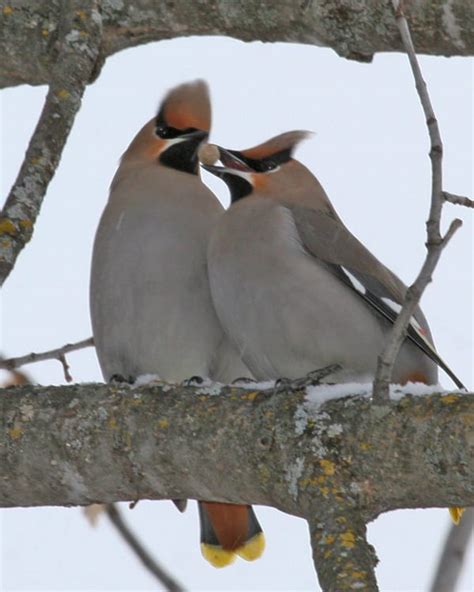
{"x":188,"y":106}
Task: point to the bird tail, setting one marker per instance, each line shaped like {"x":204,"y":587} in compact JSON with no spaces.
{"x":456,"y":514}
{"x":228,"y":530}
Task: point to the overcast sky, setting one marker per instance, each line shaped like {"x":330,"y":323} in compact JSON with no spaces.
{"x":371,"y":155}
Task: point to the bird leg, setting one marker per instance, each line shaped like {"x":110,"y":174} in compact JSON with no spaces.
{"x":313,"y":378}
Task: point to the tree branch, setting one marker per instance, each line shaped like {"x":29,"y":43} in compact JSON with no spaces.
{"x":159,"y":572}
{"x":452,"y":556}
{"x":458,"y":200}
{"x":80,"y":33}
{"x":357,"y":30}
{"x":52,"y":354}
{"x":343,"y":558}
{"x":108,"y":443}
{"x":435,"y":242}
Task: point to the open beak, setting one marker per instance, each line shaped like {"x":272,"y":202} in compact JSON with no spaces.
{"x":232,"y":164}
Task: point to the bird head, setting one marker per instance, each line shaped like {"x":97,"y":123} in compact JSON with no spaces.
{"x":173,"y":137}
{"x":268,"y":168}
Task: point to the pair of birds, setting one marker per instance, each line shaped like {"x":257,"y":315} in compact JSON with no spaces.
{"x":276,"y":286}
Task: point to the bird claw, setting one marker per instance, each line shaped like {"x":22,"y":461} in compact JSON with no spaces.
{"x":193,"y":381}
{"x":120,"y":379}
{"x":244,"y":380}
{"x":311,"y":379}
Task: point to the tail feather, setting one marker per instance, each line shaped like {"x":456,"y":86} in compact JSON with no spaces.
{"x":228,"y":530}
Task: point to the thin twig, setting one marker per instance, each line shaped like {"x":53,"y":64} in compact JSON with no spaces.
{"x":79,"y":43}
{"x":151,"y":564}
{"x":453,"y":553}
{"x":435,"y":241}
{"x":52,"y":354}
{"x":458,"y":200}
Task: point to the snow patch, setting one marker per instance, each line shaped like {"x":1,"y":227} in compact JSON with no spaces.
{"x":320,"y":394}
{"x":146,"y":379}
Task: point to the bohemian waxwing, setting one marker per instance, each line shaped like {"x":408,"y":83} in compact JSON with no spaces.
{"x":293,"y":288}
{"x":151,"y":307}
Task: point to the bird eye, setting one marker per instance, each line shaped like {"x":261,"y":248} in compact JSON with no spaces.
{"x":166,"y":132}
{"x":162,"y":131}
{"x":269,"y":165}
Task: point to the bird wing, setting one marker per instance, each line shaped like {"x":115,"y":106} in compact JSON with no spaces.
{"x":328,"y":240}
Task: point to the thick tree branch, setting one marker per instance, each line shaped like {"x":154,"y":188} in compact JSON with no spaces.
{"x":79,"y":31}
{"x":29,"y":29}
{"x":347,"y":459}
{"x":435,"y":242}
{"x":452,"y":556}
{"x":164,"y":441}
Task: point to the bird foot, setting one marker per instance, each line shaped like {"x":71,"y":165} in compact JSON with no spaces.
{"x":193,"y":381}
{"x":244,"y":380}
{"x":311,"y":379}
{"x":120,"y":379}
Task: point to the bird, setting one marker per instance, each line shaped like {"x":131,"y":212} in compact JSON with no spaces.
{"x":293,"y":288}
{"x":150,"y":302}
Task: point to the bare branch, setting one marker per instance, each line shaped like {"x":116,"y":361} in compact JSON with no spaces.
{"x":163,"y":577}
{"x":52,"y":354}
{"x":458,"y":200}
{"x":80,"y":38}
{"x":343,"y":558}
{"x":453,"y":554}
{"x":435,"y":242}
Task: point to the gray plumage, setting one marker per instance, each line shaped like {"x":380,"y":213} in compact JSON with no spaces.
{"x":150,"y":303}
{"x":294,"y":289}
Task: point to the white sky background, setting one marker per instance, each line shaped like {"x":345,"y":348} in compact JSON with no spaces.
{"x":371,"y":155}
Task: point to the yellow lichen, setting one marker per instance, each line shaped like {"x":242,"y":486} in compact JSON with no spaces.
{"x":63,"y":94}
{"x":45,"y":32}
{"x":163,"y":423}
{"x":112,"y":423}
{"x":7,"y":226}
{"x":328,"y":467}
{"x":360,"y":575}
{"x":447,"y":399}
{"x":325,"y":491}
{"x":25,"y":223}
{"x":7,"y":10}
{"x":250,"y":396}
{"x":347,"y":539}
{"x":329,"y":539}
{"x":365,"y":445}
{"x":15,"y":432}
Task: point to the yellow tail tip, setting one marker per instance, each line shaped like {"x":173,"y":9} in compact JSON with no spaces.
{"x":456,"y":514}
{"x":217,"y":556}
{"x":253,"y":548}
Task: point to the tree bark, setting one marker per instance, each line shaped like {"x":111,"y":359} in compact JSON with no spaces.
{"x":83,"y":444}
{"x":356,"y":29}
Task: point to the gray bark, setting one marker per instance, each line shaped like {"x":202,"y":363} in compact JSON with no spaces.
{"x":29,"y":30}
{"x":338,"y":465}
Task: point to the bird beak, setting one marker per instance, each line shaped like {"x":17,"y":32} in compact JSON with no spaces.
{"x":197,"y":136}
{"x":232,"y":164}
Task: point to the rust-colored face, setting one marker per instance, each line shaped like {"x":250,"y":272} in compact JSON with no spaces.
{"x":173,"y":137}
